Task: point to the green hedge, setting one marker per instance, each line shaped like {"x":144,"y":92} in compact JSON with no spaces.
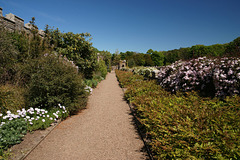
{"x":185,"y":125}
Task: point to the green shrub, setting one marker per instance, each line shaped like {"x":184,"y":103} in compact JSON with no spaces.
{"x":185,"y":125}
{"x":101,"y":69}
{"x":11,"y":98}
{"x":53,"y":81}
{"x":8,"y":56}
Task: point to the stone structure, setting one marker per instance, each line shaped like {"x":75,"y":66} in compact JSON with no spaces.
{"x":122,"y":64}
{"x":1,"y":14}
{"x":14,"y":23}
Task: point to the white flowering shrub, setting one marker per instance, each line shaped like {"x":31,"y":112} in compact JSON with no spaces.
{"x":219,"y":76}
{"x":149,"y":72}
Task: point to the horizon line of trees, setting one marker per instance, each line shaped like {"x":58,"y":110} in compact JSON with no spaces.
{"x":162,"y":58}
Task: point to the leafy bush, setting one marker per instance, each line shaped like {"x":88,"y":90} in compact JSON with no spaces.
{"x":54,"y":80}
{"x":101,"y":69}
{"x":8,"y":56}
{"x":11,"y":98}
{"x":186,"y":126}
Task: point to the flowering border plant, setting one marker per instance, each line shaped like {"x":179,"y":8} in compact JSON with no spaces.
{"x":218,"y":76}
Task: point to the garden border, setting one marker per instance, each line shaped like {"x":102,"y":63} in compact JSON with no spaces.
{"x":138,"y":128}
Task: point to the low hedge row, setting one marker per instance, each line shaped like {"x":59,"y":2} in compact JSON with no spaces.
{"x":185,"y":125}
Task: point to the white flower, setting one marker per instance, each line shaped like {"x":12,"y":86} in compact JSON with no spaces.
{"x":47,"y":115}
{"x":43,"y":120}
{"x":31,"y":123}
{"x":1,"y":114}
{"x":55,"y":115}
{"x":27,"y":117}
{"x":51,"y":118}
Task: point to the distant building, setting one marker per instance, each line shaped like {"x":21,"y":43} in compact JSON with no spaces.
{"x":122,"y":64}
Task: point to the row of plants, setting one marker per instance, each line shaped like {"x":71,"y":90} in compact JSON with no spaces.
{"x":211,"y":76}
{"x":218,"y":77}
{"x":184,"y":125}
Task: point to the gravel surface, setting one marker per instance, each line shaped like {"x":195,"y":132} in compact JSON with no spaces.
{"x":103,"y":131}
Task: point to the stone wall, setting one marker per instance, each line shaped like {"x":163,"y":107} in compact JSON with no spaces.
{"x":14,"y":23}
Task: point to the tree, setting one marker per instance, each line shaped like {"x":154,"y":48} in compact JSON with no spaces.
{"x":106,"y":57}
{"x":139,"y":59}
{"x":157,"y":57}
{"x":116,"y":58}
{"x":148,"y":60}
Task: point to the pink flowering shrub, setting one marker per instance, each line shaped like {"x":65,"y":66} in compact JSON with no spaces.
{"x":219,"y":76}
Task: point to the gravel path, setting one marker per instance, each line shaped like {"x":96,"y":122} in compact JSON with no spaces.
{"x":103,"y":131}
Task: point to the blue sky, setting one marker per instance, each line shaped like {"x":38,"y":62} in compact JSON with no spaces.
{"x":136,"y":25}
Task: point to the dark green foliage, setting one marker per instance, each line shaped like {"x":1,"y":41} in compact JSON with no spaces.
{"x":185,"y":125}
{"x":115,"y":59}
{"x":131,"y":62}
{"x":12,"y":133}
{"x":53,"y":81}
{"x":233,"y":48}
{"x":11,"y":98}
{"x":137,"y":59}
{"x":148,"y":60}
{"x":8,"y":57}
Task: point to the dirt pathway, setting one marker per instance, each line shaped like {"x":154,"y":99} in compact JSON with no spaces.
{"x":104,"y":131}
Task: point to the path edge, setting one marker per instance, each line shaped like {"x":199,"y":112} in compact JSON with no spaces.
{"x":138,"y":127}
{"x":25,"y":156}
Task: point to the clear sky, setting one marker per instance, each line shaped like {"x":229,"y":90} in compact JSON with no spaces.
{"x":136,"y":25}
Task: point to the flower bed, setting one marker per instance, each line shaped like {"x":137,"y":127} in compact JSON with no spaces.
{"x":185,"y":125}
{"x":13,"y":127}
